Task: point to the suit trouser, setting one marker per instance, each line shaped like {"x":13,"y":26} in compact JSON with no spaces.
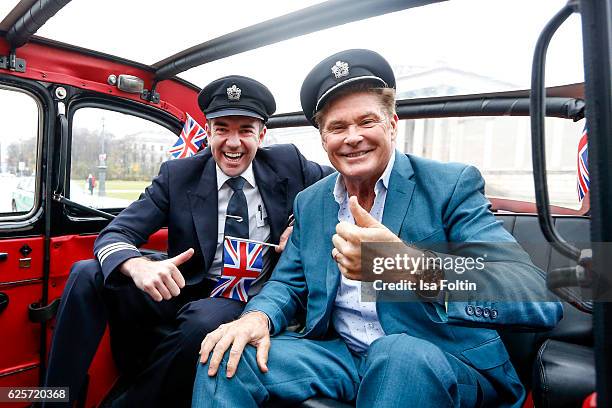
{"x":398,"y":370}
{"x":155,"y":344}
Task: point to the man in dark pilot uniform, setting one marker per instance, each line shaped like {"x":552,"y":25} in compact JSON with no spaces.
{"x":159,"y":310}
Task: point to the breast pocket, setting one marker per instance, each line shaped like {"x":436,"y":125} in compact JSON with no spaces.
{"x":436,"y":236}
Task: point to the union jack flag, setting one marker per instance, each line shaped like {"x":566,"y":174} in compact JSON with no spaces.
{"x":584,"y":182}
{"x":191,"y":138}
{"x":242,"y":264}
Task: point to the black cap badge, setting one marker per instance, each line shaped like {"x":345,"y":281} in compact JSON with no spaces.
{"x":233,"y":93}
{"x":341,"y":69}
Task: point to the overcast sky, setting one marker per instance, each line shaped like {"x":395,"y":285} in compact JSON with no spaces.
{"x":492,"y":38}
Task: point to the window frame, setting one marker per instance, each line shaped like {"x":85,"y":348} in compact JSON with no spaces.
{"x":13,"y":220}
{"x":149,"y":113}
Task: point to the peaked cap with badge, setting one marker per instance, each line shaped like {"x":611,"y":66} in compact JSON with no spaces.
{"x":236,"y":95}
{"x":339,"y":70}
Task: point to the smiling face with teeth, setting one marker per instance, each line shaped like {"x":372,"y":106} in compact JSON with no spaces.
{"x":234,"y":141}
{"x":359,"y":138}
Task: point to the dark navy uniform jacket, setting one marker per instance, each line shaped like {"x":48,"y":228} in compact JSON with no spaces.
{"x":183,"y":197}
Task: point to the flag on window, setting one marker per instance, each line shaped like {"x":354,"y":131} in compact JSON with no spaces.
{"x":242,"y":264}
{"x":584,"y":182}
{"x":192,"y":137}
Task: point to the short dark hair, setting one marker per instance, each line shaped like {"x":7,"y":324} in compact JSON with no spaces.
{"x":261,"y":124}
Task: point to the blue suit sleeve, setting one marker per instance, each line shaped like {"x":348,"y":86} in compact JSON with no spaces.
{"x":524,"y":299}
{"x":286,"y":289}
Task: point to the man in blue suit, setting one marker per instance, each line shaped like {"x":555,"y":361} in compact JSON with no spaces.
{"x":438,"y":352}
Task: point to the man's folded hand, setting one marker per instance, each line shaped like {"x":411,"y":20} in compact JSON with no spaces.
{"x":251,"y":328}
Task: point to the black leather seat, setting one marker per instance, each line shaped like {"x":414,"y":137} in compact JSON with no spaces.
{"x":564,"y":374}
{"x":558,"y":365}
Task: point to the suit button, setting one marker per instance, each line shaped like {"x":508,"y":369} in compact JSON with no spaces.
{"x":486,"y":312}
{"x":469,"y":309}
{"x":478,"y":311}
{"x":493,"y":313}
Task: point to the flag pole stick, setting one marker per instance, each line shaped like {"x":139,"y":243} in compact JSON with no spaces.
{"x":253,"y":241}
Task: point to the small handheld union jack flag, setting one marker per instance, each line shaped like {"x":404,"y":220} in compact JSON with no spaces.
{"x":242,"y":264}
{"x":191,"y":138}
{"x":584,"y":182}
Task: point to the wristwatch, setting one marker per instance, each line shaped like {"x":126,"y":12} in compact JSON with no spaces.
{"x":432,"y":273}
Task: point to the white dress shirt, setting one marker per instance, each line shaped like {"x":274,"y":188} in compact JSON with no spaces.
{"x":259,"y":227}
{"x":356,"y":321}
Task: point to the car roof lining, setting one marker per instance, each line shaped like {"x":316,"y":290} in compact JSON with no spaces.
{"x":313,"y":18}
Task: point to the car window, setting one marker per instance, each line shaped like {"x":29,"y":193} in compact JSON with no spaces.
{"x":114,"y":156}
{"x":306,"y":139}
{"x":19,"y":152}
{"x":500,"y":147}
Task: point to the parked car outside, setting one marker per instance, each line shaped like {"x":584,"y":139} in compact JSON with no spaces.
{"x":23,"y":196}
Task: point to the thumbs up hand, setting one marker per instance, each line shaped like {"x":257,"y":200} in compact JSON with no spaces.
{"x":348,"y":238}
{"x":159,"y":279}
{"x":361,"y":216}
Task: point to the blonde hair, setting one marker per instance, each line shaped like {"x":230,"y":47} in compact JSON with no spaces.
{"x":386,"y":97}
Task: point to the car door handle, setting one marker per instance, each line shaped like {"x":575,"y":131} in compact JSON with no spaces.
{"x":3,"y":256}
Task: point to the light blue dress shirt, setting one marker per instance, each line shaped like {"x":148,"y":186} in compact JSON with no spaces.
{"x":354,"y":320}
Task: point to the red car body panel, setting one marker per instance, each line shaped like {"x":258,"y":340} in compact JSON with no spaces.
{"x":68,"y":67}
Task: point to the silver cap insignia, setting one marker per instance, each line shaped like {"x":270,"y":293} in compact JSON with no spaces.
{"x":341,"y":69}
{"x":233,"y":93}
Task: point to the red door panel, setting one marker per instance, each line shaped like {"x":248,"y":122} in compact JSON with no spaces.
{"x":65,"y":251}
{"x":21,"y":280}
{"x":19,"y":338}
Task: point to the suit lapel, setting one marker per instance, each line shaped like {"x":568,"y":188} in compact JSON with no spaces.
{"x":330,"y":217}
{"x":323,"y":250}
{"x":204,"y":210}
{"x":399,"y":195}
{"x":273,"y":191}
